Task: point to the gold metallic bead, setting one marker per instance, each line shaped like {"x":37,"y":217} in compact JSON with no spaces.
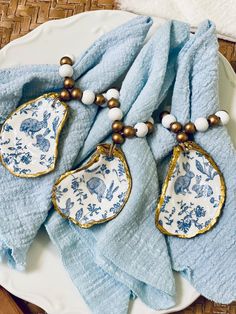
{"x":182,"y":137}
{"x":65,"y":95}
{"x":76,"y":93}
{"x":117,"y":126}
{"x":129,"y":131}
{"x":117,"y":138}
{"x":190,"y":128}
{"x":162,"y":114}
{"x":150,"y":126}
{"x":113,"y":103}
{"x":69,"y":83}
{"x":66,"y":60}
{"x":100,"y":100}
{"x":213,"y":120}
{"x":176,"y":127}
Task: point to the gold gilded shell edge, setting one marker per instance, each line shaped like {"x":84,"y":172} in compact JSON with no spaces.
{"x":102,"y":149}
{"x":50,"y":169}
{"x":176,"y":152}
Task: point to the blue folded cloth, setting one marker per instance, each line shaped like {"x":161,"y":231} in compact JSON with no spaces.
{"x":129,"y":248}
{"x":24,"y":203}
{"x":208,"y":261}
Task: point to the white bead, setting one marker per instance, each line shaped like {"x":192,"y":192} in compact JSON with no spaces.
{"x":115,"y":114}
{"x":167,"y":120}
{"x":151,"y":120}
{"x":141,"y":129}
{"x":201,"y":124}
{"x":66,"y":70}
{"x":224,"y":116}
{"x":112,"y":93}
{"x":72,"y":57}
{"x":88,"y":97}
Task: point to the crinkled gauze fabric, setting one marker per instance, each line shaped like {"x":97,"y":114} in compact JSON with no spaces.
{"x":129,"y":247}
{"x":208,"y":261}
{"x":24,"y":203}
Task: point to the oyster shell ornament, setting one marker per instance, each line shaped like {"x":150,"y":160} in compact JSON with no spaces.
{"x":95,"y":192}
{"x":29,"y":137}
{"x":193,"y":193}
{"x":98,"y":190}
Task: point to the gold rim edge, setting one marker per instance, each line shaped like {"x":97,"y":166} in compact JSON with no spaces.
{"x":53,"y":95}
{"x":102,"y":149}
{"x":176,"y":152}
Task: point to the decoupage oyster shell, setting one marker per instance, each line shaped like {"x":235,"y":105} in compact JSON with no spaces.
{"x":193,"y":193}
{"x":97,"y":191}
{"x":29,"y":137}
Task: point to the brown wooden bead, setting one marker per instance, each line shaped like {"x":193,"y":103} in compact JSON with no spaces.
{"x":213,"y":120}
{"x":176,"y":127}
{"x":129,"y":131}
{"x":69,"y":83}
{"x":66,"y":60}
{"x":150,"y":126}
{"x":162,"y":114}
{"x":65,"y":95}
{"x":117,"y":126}
{"x":100,"y":100}
{"x":76,"y":93}
{"x":113,"y":103}
{"x":182,"y":137}
{"x":189,"y":128}
{"x":118,"y":138}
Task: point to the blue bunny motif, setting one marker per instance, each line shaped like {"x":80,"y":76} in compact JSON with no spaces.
{"x":97,"y":186}
{"x":31,"y":126}
{"x":203,"y":190}
{"x":182,"y":183}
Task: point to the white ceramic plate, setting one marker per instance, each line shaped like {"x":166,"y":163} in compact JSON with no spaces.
{"x":45,"y":282}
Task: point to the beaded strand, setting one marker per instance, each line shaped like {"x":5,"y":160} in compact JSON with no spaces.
{"x":183,"y":132}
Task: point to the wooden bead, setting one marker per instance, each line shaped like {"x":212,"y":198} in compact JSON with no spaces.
{"x":113,"y":103}
{"x":100,"y":100}
{"x":117,"y":126}
{"x":76,"y":93}
{"x":162,"y":114}
{"x":66,"y":60}
{"x":150,"y":126}
{"x":117,"y":138}
{"x":182,"y":137}
{"x":129,"y":131}
{"x":65,"y":95}
{"x":213,"y":120}
{"x":176,"y":127}
{"x":69,"y":83}
{"x":189,"y":128}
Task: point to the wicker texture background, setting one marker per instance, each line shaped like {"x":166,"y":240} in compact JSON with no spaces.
{"x":17,"y":18}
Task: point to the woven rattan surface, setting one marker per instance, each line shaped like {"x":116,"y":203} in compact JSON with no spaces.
{"x":18,"y":17}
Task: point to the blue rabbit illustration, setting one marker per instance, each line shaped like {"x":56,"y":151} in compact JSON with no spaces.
{"x":42,"y":142}
{"x":30,"y":126}
{"x":203,"y":190}
{"x":97,"y":186}
{"x":69,"y":205}
{"x":110,"y":191}
{"x":182,"y":183}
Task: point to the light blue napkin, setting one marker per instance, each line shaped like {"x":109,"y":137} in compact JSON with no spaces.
{"x":128,"y":247}
{"x":24,"y":203}
{"x":102,"y":293}
{"x":208,"y":261}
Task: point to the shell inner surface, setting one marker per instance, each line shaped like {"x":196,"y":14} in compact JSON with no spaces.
{"x":97,"y":191}
{"x":193,"y":193}
{"x":29,"y":137}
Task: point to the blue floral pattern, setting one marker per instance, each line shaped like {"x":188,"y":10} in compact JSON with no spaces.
{"x":98,"y":191}
{"x":192,"y":196}
{"x":29,"y":136}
